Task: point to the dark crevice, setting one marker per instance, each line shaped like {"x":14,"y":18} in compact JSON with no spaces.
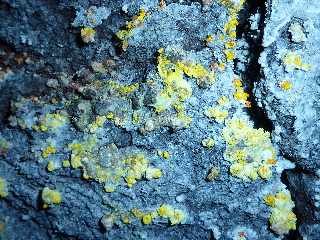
{"x":252,"y":75}
{"x":304,"y":206}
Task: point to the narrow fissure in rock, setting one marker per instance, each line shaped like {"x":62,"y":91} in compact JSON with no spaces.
{"x":253,"y":74}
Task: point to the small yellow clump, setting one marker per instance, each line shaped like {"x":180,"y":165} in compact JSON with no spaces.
{"x":199,"y":72}
{"x":127,"y":32}
{"x":282,"y":219}
{"x":3,"y":188}
{"x":131,"y":168}
{"x":88,"y":34}
{"x":109,"y":188}
{"x":125,"y":219}
{"x":110,"y":116}
{"x":123,"y":90}
{"x":231,"y":25}
{"x":52,"y":166}
{"x":230,"y":44}
{"x":137,"y":213}
{"x":80,"y":150}
{"x":208,"y":142}
{"x":153,"y":173}
{"x":98,"y":123}
{"x":213,"y":173}
{"x":66,"y":163}
{"x":285,"y":85}
{"x":181,"y":120}
{"x":249,"y":150}
{"x":48,"y":151}
{"x":136,"y":117}
{"x":76,"y":155}
{"x":223,"y":101}
{"x":216,"y":113}
{"x":164,"y":154}
{"x":137,"y":166}
{"x":176,"y":88}
{"x":50,"y":197}
{"x":51,"y":122}
{"x":234,"y":6}
{"x":147,"y":219}
{"x":240,"y":94}
{"x":209,"y":39}
{"x":292,"y":61}
{"x":264,"y":171}
{"x":222,"y":66}
{"x":230,"y":55}
{"x":237,"y":83}
{"x":175,"y":216}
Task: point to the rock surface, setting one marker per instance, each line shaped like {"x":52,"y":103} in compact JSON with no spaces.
{"x":148,"y":131}
{"x":295,"y":112}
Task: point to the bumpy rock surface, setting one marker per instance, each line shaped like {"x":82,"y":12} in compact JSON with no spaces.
{"x":147,"y":131}
{"x":295,"y":112}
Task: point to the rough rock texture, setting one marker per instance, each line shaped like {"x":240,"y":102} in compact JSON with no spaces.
{"x":148,"y":132}
{"x":295,"y":112}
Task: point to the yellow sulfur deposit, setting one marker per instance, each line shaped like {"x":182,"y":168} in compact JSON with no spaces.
{"x":127,"y":32}
{"x":3,"y":188}
{"x":88,"y":34}
{"x":50,"y":197}
{"x":217,"y":113}
{"x":282,"y":219}
{"x":249,"y":150}
{"x":293,"y":60}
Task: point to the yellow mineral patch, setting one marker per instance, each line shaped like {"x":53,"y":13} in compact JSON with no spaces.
{"x":208,"y":142}
{"x":166,"y":211}
{"x":213,"y":173}
{"x":51,"y":122}
{"x":50,"y":197}
{"x":285,"y":85}
{"x":153,"y":173}
{"x":209,"y":39}
{"x":147,"y":219}
{"x":48,"y":151}
{"x":234,"y":6}
{"x":52,"y":166}
{"x":98,"y":123}
{"x":88,"y":34}
{"x":131,"y":167}
{"x":199,"y":72}
{"x":123,"y":90}
{"x":164,"y":154}
{"x":282,"y":219}
{"x":223,"y":101}
{"x":249,"y":150}
{"x":137,"y":166}
{"x":174,"y":215}
{"x":3,"y":188}
{"x":127,"y":32}
{"x":217,"y":113}
{"x":293,"y":60}
{"x":176,"y":88}
{"x":239,"y":94}
{"x":66,"y":163}
{"x":230,"y":55}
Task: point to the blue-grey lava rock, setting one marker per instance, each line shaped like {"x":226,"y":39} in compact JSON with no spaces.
{"x":146,"y":132}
